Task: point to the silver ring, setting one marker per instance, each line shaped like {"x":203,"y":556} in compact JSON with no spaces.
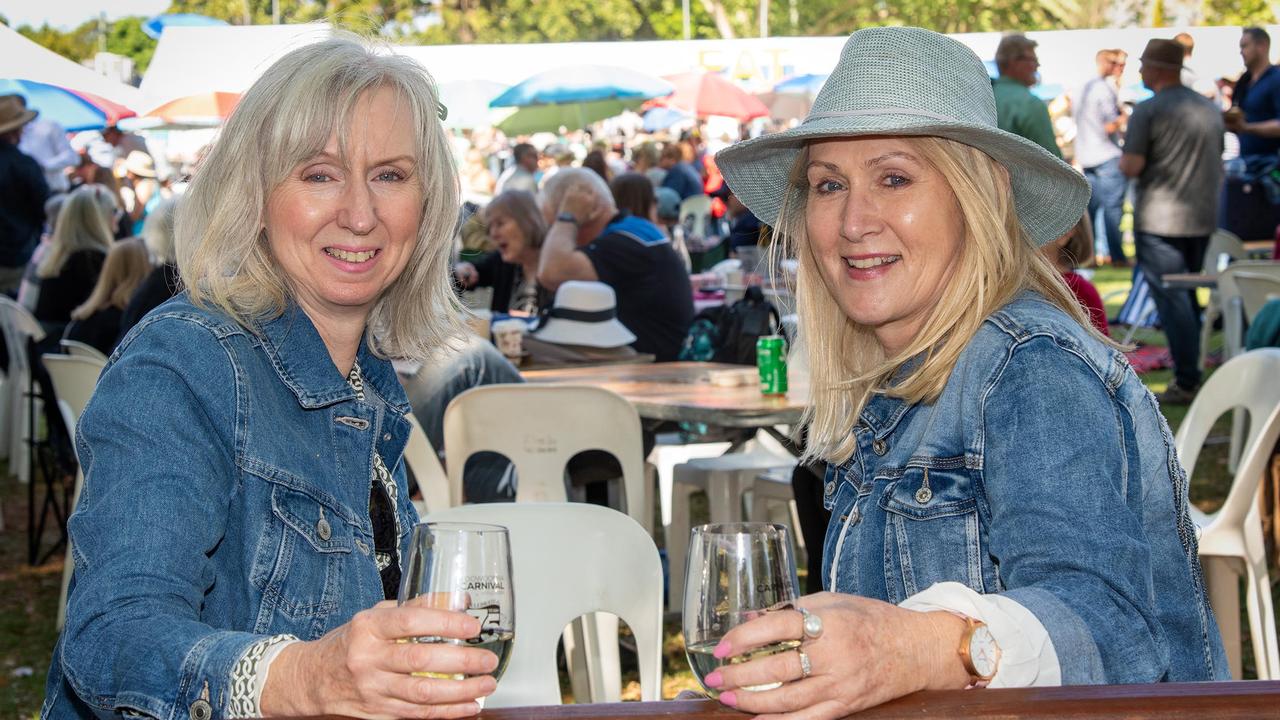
{"x":812,"y":624}
{"x":806,"y":669}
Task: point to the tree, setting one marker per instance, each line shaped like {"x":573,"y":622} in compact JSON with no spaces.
{"x":1239,"y":12}
{"x":125,"y":37}
{"x":364,"y":16}
{"x":78,"y":44}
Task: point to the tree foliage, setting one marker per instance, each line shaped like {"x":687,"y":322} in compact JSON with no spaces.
{"x":1239,"y":12}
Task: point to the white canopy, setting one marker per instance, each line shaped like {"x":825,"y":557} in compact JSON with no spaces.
{"x":23,"y":59}
{"x":194,"y":60}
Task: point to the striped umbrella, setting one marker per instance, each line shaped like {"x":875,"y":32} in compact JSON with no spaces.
{"x":74,"y":110}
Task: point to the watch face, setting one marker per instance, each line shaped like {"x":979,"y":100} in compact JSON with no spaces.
{"x":984,"y":652}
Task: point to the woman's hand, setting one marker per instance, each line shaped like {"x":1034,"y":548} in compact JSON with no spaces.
{"x":466,"y":275}
{"x":360,"y":670}
{"x":869,"y":652}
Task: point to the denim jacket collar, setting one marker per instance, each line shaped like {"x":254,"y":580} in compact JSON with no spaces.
{"x":882,"y":413}
{"x":300,"y":357}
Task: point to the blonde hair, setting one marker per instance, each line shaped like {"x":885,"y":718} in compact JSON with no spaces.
{"x":84,"y":223}
{"x":123,"y":271}
{"x":996,"y":261}
{"x":286,"y":118}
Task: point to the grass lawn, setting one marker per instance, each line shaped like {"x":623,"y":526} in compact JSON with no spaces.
{"x":29,"y":596}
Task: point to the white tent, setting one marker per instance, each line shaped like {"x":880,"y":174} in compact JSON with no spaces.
{"x":194,"y":60}
{"x":23,"y":59}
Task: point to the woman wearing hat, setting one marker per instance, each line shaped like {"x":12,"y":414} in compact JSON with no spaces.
{"x":1007,"y":509}
{"x":142,"y":193}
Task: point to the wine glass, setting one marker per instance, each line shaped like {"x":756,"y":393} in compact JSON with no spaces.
{"x":735,"y":571}
{"x":464,"y":566}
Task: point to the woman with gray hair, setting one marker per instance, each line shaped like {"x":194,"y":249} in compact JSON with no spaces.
{"x":244,"y":515}
{"x":516,"y":228}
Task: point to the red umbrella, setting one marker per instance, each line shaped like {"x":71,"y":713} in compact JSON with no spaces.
{"x":710,"y":94}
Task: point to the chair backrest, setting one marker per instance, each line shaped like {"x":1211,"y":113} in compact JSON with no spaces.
{"x":1221,"y":242}
{"x":74,"y":379}
{"x":1251,"y":282}
{"x":539,"y":428}
{"x":79,"y":349}
{"x":695,"y":218}
{"x":18,"y":325}
{"x":1246,"y":381}
{"x":421,"y":458}
{"x":570,"y":559}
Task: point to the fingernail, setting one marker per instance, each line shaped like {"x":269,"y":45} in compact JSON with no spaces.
{"x":728,"y":698}
{"x":722,"y":650}
{"x":714,"y":679}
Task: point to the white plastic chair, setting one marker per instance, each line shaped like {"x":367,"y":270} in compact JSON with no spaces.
{"x":1243,"y":288}
{"x":421,"y":458}
{"x":1233,"y":535}
{"x":74,"y":379}
{"x":695,"y":219}
{"x":19,"y":326}
{"x":79,"y":349}
{"x":539,"y":428}
{"x":1224,"y":248}
{"x":568,"y":560}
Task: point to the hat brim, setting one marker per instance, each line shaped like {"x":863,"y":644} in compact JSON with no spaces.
{"x":26,"y":117}
{"x":1049,"y":194}
{"x":608,"y":334}
{"x":141,"y":172}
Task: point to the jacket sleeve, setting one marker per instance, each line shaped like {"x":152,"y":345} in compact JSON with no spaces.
{"x":156,"y":445}
{"x":1060,"y":490}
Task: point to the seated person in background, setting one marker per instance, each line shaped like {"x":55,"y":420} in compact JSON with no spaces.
{"x":744,"y":226}
{"x":634,"y":194}
{"x":163,"y":282}
{"x":520,"y":174}
{"x":96,"y":322}
{"x":1070,"y":252}
{"x":681,"y":176}
{"x":589,"y":239}
{"x":68,"y":268}
{"x":516,"y":228}
{"x":581,"y":326}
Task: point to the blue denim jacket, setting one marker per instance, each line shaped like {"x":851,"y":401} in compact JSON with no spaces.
{"x":1045,"y":473}
{"x":225,"y":499}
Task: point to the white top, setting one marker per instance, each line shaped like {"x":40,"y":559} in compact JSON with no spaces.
{"x":46,"y":142}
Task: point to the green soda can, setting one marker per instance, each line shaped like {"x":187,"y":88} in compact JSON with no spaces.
{"x":771,"y":359}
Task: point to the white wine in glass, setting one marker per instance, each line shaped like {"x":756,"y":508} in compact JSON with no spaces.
{"x":464,"y":566}
{"x":734,"y":572}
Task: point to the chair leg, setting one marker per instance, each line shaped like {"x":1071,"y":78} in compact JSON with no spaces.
{"x":591,"y":651}
{"x":1221,"y":580}
{"x":677,"y":541}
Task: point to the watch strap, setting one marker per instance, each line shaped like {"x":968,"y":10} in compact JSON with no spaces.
{"x":569,"y":218}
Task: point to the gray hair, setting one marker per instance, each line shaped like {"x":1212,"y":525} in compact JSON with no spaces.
{"x":286,"y":118}
{"x":157,"y":230}
{"x":555,"y":187}
{"x":1012,"y":47}
{"x":522,"y":208}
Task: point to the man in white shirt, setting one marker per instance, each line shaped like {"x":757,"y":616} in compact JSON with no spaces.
{"x":45,"y":141}
{"x":520,"y":176}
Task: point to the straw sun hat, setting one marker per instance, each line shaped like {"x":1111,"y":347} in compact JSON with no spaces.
{"x":140,"y":164}
{"x":898,"y":81}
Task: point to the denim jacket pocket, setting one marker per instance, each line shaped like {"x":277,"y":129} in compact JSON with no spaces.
{"x":301,"y":556}
{"x":931,"y":529}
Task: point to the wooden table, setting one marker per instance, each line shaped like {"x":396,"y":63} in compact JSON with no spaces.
{"x":1189,"y":281}
{"x":1259,"y":249}
{"x":1188,"y":701}
{"x":682,"y":391}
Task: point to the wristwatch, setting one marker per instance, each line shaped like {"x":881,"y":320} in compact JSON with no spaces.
{"x":979,"y":652}
{"x":568,"y":217}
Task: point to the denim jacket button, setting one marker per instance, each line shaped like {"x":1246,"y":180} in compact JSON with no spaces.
{"x":879,"y":446}
{"x":201,"y":710}
{"x":323,"y":529}
{"x":830,"y":487}
{"x":924,"y":495}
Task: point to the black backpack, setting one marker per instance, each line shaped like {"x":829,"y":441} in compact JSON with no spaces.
{"x":728,"y":334}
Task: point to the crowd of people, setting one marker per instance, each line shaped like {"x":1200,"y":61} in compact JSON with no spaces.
{"x":937,"y":233}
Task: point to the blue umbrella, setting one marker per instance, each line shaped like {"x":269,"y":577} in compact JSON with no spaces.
{"x":583,"y":83}
{"x":156,"y":25}
{"x":662,"y":118}
{"x":74,"y":111}
{"x":808,"y":84}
